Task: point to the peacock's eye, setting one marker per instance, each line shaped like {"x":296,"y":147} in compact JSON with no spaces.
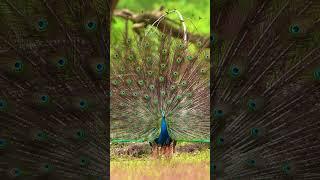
{"x":91,"y":25}
{"x":179,"y":97}
{"x":115,"y":82}
{"x":164,"y":51}
{"x":251,"y":162}
{"x":220,"y":140}
{"x":129,"y":81}
{"x":235,"y":71}
{"x":151,"y":87}
{"x":149,"y":73}
{"x":16,"y":172}
{"x":140,"y":82}
{"x":163,"y":93}
{"x":82,"y":103}
{"x":161,"y":79}
{"x":172,"y":87}
{"x":286,"y":168}
{"x":252,"y":105}
{"x":42,"y":24}
{"x":2,"y":103}
{"x":189,"y":94}
{"x":199,"y":43}
{"x":295,"y":29}
{"x":218,"y":113}
{"x":99,"y":67}
{"x":254,"y":131}
{"x":189,"y":57}
{"x":212,"y":37}
{"x":131,"y":57}
{"x":123,"y":93}
{"x":184,"y":83}
{"x":44,"y":98}
{"x":179,"y":60}
{"x":181,"y":46}
{"x":147,"y":97}
{"x":175,"y":73}
{"x":149,"y":59}
{"x":83,"y":161}
{"x":2,"y":143}
{"x":316,"y":74}
{"x":18,"y":65}
{"x":202,"y":71}
{"x":162,"y":66}
{"x":61,"y":62}
{"x":40,"y":134}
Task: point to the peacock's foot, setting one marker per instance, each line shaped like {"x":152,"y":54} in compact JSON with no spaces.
{"x":155,"y":152}
{"x":166,"y":151}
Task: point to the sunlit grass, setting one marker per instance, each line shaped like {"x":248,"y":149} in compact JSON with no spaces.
{"x":180,"y":166}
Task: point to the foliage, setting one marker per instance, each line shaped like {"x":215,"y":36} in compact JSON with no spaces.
{"x":194,"y":165}
{"x":196,"y":15}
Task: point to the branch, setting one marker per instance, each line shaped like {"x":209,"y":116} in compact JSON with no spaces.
{"x":147,"y":18}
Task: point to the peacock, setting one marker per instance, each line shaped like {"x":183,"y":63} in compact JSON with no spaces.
{"x":54,"y":89}
{"x":160,"y":87}
{"x":265,"y":89}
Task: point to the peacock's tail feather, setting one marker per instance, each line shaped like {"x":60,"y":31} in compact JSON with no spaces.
{"x":155,"y":73}
{"x":265,"y":89}
{"x":53,"y":89}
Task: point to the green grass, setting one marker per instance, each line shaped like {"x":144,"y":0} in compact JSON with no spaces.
{"x":181,"y":166}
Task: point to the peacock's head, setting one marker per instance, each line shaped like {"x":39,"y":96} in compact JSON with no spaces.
{"x":162,"y":114}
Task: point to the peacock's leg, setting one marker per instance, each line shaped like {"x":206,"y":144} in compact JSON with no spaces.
{"x":167,"y":150}
{"x":159,"y":151}
{"x":171,"y":149}
{"x":154,"y":151}
{"x":174,"y":146}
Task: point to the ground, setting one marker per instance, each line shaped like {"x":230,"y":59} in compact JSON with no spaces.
{"x":134,"y":162}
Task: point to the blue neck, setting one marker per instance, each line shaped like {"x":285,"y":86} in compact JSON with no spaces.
{"x":164,"y":137}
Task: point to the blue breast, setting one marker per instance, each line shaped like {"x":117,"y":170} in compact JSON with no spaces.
{"x":164,"y":138}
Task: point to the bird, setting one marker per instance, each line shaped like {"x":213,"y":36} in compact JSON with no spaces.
{"x":160,"y":87}
{"x":265,"y":89}
{"x":54,"y":84}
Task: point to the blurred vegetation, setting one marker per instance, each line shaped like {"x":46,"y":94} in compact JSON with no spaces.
{"x":191,"y":164}
{"x":196,"y":14}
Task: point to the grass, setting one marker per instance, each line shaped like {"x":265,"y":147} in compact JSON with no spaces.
{"x":195,"y":165}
